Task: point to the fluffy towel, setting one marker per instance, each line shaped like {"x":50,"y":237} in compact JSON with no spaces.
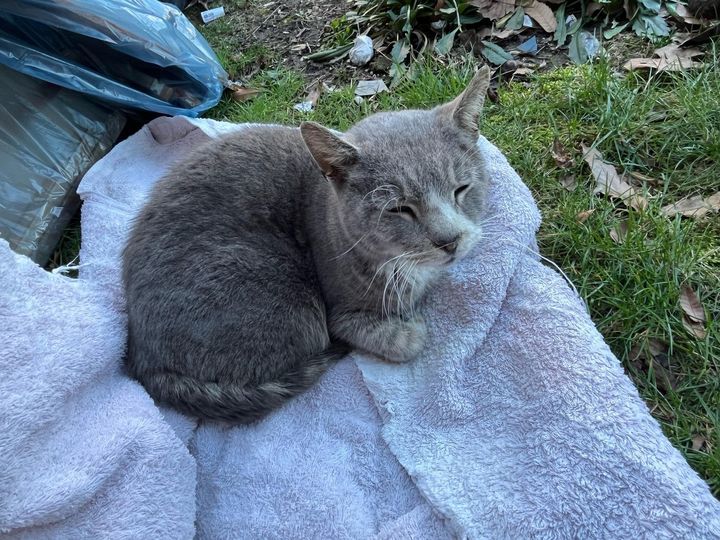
{"x":516,"y":422}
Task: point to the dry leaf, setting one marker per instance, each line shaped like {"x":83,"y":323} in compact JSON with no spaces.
{"x":690,"y":304}
{"x":505,"y":33}
{"x":608,"y":181}
{"x":493,"y":9}
{"x":314,"y":94}
{"x":543,"y":15}
{"x":582,"y":216}
{"x":524,"y":71}
{"x":698,"y":442}
{"x":693,"y":312}
{"x":669,"y":58}
{"x":694,"y":207}
{"x":644,"y":179}
{"x":683,"y":13}
{"x":696,"y":329}
{"x":619,"y":232}
{"x":714,"y":201}
{"x":244,"y":94}
{"x":562,"y":158}
{"x":569,"y":182}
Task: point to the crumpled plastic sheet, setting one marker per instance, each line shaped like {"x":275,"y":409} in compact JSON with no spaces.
{"x":135,"y":53}
{"x":49,"y":138}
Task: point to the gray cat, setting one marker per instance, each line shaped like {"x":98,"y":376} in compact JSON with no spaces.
{"x":263,"y":256}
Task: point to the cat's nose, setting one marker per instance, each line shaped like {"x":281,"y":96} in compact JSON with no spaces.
{"x":449,"y":245}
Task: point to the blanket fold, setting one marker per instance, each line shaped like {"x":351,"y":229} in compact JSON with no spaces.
{"x":516,"y":421}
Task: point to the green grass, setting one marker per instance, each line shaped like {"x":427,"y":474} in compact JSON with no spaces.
{"x":666,"y":128}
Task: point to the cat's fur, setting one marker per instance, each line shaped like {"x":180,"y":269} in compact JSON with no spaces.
{"x":256,"y":260}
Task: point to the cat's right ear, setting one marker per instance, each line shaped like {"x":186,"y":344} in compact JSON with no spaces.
{"x":333,"y":155}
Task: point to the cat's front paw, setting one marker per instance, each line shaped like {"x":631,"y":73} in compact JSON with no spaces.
{"x":405,"y":339}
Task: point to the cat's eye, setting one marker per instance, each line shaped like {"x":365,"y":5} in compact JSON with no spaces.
{"x":404,"y":210}
{"x":459,"y":192}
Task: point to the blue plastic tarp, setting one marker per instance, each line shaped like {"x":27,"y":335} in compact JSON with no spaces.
{"x":136,"y":53}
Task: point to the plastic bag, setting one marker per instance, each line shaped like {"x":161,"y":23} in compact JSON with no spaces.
{"x":136,"y":53}
{"x":49,"y":138}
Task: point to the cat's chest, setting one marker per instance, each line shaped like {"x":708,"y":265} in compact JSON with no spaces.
{"x":403,"y":284}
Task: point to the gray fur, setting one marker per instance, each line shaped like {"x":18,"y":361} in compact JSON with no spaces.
{"x":257,"y":259}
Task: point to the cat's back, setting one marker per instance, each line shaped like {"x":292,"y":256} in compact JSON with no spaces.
{"x":257,"y":164}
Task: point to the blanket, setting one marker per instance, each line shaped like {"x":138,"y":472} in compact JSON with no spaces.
{"x":516,"y":421}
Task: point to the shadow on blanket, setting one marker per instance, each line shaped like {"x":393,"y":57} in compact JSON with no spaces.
{"x":516,"y":422}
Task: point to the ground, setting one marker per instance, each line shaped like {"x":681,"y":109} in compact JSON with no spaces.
{"x":661,"y":133}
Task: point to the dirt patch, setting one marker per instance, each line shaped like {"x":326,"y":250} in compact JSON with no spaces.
{"x":276,"y":33}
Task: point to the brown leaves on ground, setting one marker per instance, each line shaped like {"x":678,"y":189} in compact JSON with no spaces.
{"x":693,"y":312}
{"x":672,"y":57}
{"x":493,"y":9}
{"x":543,"y":15}
{"x":619,"y":232}
{"x":694,"y":207}
{"x":654,"y":356}
{"x":582,"y":216}
{"x":564,"y":161}
{"x":244,"y":94}
{"x":609,"y":183}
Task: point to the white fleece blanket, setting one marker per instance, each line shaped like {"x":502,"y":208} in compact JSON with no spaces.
{"x":516,"y":422}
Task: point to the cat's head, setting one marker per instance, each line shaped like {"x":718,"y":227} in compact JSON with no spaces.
{"x":410,"y":182}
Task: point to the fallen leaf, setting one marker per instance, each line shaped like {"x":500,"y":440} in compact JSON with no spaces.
{"x":504,"y":34}
{"x":493,"y":9}
{"x":614,"y":31}
{"x":698,"y":442}
{"x":370,"y":88}
{"x":671,"y":57}
{"x":694,"y":207}
{"x":515,"y":21}
{"x":682,"y":13}
{"x":609,"y":183}
{"x":696,"y":329}
{"x":657,"y":348}
{"x":690,"y":304}
{"x":582,"y":216}
{"x":569,"y":182}
{"x":562,"y":158}
{"x":244,"y":94}
{"x":543,"y":15}
{"x":702,"y":37}
{"x":693,"y":312}
{"x":495,"y":54}
{"x":524,"y":71}
{"x":314,"y":94}
{"x":644,"y":178}
{"x":619,"y":232}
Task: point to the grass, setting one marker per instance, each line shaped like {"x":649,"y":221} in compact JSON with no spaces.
{"x":665,"y":128}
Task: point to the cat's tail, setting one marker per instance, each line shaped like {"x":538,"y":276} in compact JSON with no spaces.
{"x":238,"y":403}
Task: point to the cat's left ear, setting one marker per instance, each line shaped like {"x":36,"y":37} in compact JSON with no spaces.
{"x":466,"y":108}
{"x":333,"y":155}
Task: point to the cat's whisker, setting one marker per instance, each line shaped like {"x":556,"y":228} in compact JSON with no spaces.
{"x":379,"y":269}
{"x":351,"y":247}
{"x":382,"y":210}
{"x":382,"y":187}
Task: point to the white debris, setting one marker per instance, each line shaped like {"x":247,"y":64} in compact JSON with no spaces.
{"x":212,"y":14}
{"x":362,"y":51}
{"x":305,"y":106}
{"x":370,"y":88}
{"x":359,"y":100}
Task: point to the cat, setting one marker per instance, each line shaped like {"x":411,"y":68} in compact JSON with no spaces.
{"x":267,"y":254}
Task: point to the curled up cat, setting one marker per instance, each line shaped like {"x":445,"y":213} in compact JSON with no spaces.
{"x":269,"y":253}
